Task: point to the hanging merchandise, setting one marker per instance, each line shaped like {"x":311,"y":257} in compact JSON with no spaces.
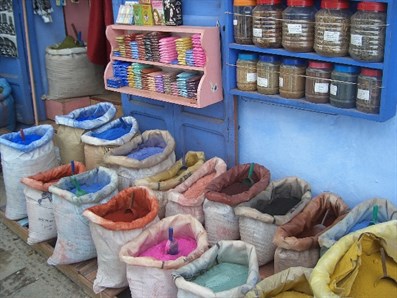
{"x":8,"y":38}
{"x":115,"y":223}
{"x":242,"y":20}
{"x":163,"y":181}
{"x":24,"y":153}
{"x":44,"y":9}
{"x":228,"y":269}
{"x":71,"y":196}
{"x":188,"y":197}
{"x":7,"y":106}
{"x":259,"y":218}
{"x":39,"y":200}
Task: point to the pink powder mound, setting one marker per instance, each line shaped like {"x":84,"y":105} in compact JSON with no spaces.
{"x":198,"y":187}
{"x":186,"y":246}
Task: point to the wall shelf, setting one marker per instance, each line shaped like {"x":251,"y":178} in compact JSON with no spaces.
{"x":209,"y":90}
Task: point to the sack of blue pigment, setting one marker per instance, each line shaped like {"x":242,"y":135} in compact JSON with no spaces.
{"x":23,"y":154}
{"x":73,"y":125}
{"x":71,"y":196}
{"x":99,"y":141}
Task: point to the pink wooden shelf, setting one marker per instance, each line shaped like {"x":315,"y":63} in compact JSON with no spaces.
{"x":209,"y":90}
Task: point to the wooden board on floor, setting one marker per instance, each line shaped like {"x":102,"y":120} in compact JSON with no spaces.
{"x":83,"y":273}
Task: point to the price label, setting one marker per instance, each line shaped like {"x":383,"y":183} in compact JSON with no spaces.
{"x":281,"y":82}
{"x":257,"y":32}
{"x":235,"y":22}
{"x":333,"y":89}
{"x":263,"y":82}
{"x":251,"y":77}
{"x":356,"y":39}
{"x":321,"y":87}
{"x":363,"y":94}
{"x":331,"y":36}
{"x":294,"y":28}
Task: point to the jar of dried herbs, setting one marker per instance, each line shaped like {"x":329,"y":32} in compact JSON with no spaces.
{"x":267,"y":17}
{"x":369,"y":84}
{"x":268,"y":73}
{"x":246,"y":71}
{"x":318,"y":75}
{"x":343,"y":88}
{"x":332,"y":28}
{"x":292,"y":78}
{"x":242,"y":20}
{"x":367,"y":32}
{"x":298,"y":26}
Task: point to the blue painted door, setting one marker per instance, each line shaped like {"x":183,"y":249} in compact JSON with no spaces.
{"x":210,"y":129}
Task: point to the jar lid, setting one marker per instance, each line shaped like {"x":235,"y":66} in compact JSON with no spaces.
{"x":269,"y":58}
{"x":304,"y":3}
{"x":346,"y":68}
{"x":294,"y":62}
{"x":371,"y":72}
{"x":268,"y":2}
{"x":371,"y":6}
{"x":244,"y":2}
{"x":334,"y":4}
{"x":320,"y":65}
{"x":248,"y":56}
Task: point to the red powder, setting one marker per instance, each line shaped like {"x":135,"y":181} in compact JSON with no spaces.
{"x":186,"y":246}
{"x":197,"y":188}
{"x":121,"y":216}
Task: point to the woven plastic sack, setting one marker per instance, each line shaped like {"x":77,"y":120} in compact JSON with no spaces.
{"x":20,"y":159}
{"x":144,"y":156}
{"x":71,"y":74}
{"x":73,"y":125}
{"x":227,"y":251}
{"x":359,"y":217}
{"x":39,"y":201}
{"x":297,"y":240}
{"x":74,"y":243}
{"x":224,"y":193}
{"x":99,"y":141}
{"x":152,"y":277}
{"x":161,"y":182}
{"x":352,"y":267}
{"x":115,"y":223}
{"x":188,"y":197}
{"x":7,"y":106}
{"x":292,"y":282}
{"x":288,"y":197}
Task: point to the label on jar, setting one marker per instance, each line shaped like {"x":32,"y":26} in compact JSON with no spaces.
{"x":257,"y":32}
{"x":294,"y":28}
{"x":281,"y":82}
{"x":333,"y":89}
{"x":263,"y":82}
{"x":235,"y":22}
{"x":331,"y":36}
{"x":321,"y":87}
{"x":251,"y":77}
{"x":363,"y":94}
{"x":356,"y":39}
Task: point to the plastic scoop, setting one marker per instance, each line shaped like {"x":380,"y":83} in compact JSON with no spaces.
{"x":374,"y":220}
{"x":123,"y":122}
{"x":79,"y":192}
{"x":249,"y":180}
{"x":22,"y":135}
{"x":320,"y":227}
{"x":385,"y":276}
{"x":171,"y":246}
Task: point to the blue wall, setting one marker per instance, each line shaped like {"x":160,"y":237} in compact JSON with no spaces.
{"x":354,"y":158}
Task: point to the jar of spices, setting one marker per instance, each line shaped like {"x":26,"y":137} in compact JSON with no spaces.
{"x":343,"y":88}
{"x":268,"y":70}
{"x":292,"y":78}
{"x":298,"y":26}
{"x":267,"y":23}
{"x":242,"y":20}
{"x":332,"y":28}
{"x":369,"y":85}
{"x":367,"y":32}
{"x":246,"y":71}
{"x":318,"y":75}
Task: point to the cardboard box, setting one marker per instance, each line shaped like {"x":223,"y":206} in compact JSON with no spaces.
{"x":147,"y":15}
{"x":64,"y":106}
{"x":173,"y":12}
{"x":158,"y":12}
{"x":138,"y":14}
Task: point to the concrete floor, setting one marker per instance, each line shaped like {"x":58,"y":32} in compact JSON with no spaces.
{"x":25,"y":273}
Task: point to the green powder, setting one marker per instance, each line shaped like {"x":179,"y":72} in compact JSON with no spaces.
{"x":223,"y":277}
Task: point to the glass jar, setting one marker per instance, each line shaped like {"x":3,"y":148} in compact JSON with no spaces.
{"x":246,"y":71}
{"x":331,"y":34}
{"x":268,"y":70}
{"x":298,"y":26}
{"x":242,"y":20}
{"x":343,"y":88}
{"x":292,"y":78}
{"x":318,"y":75}
{"x":367,"y":32}
{"x":369,"y":85}
{"x":267,"y":23}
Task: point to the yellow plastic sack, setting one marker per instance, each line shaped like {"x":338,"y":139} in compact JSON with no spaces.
{"x":352,"y":266}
